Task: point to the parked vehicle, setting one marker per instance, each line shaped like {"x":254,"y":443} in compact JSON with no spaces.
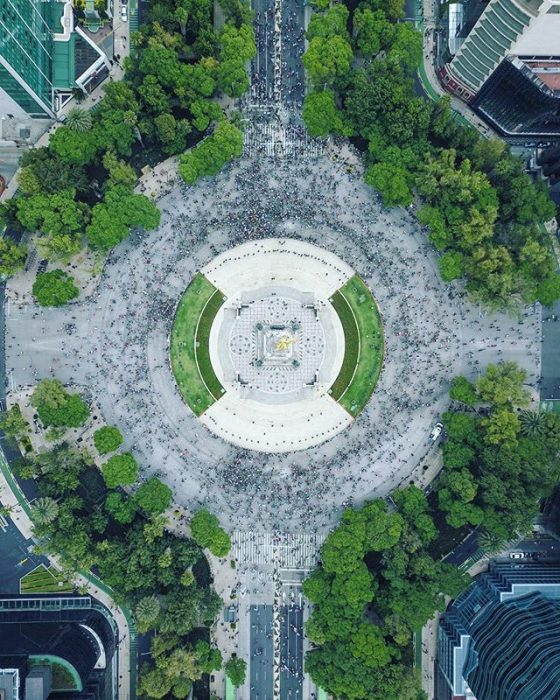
{"x":436,"y":432}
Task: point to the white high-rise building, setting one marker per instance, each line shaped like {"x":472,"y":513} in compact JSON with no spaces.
{"x":528,"y":29}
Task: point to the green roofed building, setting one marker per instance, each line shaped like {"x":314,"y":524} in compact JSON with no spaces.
{"x":43,"y":56}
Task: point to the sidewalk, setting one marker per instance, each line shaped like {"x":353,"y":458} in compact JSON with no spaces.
{"x":12,"y":496}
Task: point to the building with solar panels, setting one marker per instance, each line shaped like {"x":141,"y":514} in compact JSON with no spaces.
{"x":507,"y":65}
{"x":57,"y":646}
{"x":500,"y":639}
{"x":43,"y":57}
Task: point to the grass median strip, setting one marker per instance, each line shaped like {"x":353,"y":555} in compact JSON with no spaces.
{"x":189,"y":349}
{"x":364,"y":345}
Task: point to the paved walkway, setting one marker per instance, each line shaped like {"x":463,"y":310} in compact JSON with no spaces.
{"x":116,"y":343}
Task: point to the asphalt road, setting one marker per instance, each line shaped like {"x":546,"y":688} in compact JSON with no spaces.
{"x":262,"y":67}
{"x":462,"y":552}
{"x":293,"y":46}
{"x":550,"y":353}
{"x":260,"y":647}
{"x":291,"y":652}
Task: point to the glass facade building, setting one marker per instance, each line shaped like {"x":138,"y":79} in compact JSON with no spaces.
{"x":26,"y":54}
{"x":500,"y":639}
{"x":516,"y":101}
{"x":76,"y":631}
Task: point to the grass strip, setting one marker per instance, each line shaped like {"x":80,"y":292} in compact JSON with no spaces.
{"x":364,"y":345}
{"x":189,"y":345}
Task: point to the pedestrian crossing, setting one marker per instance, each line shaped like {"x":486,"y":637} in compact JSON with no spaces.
{"x":274,"y":140}
{"x":282,"y":550}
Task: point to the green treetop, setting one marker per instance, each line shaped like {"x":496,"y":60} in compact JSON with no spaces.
{"x":107,"y":439}
{"x":235,"y":669}
{"x":54,"y":288}
{"x":56,"y":407}
{"x":120,"y":470}
{"x":206,"y":530}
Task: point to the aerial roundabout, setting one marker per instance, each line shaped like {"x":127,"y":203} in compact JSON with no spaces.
{"x":276,"y":345}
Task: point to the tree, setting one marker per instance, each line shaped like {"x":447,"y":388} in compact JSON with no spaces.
{"x":209,"y":659}
{"x":175,"y":667}
{"x":206,"y":531}
{"x":238,"y":43}
{"x":490,"y":542}
{"x":12,"y":257}
{"x":235,"y":669}
{"x":153,"y":496}
{"x":121,"y":509}
{"x":457,"y":455}
{"x":54,"y":288}
{"x":59,"y":471}
{"x":107,"y":439}
{"x":501,"y":428}
{"x":548,"y":291}
{"x":112,"y":219}
{"x":462,"y":390}
{"x":13,"y":423}
{"x":52,"y":214}
{"x":74,"y":147}
{"x":333,"y":22}
{"x":190,"y":607}
{"x":320,"y":114}
{"x":146,"y":613}
{"x":533,"y":424}
{"x":211,"y":154}
{"x":372,"y":31}
{"x":391,"y":182}
{"x":42,"y":170}
{"x":460,"y":426}
{"x":327,"y":59}
{"x":79,"y":120}
{"x":120,"y":470}
{"x":451,"y":265}
{"x":44,"y":510}
{"x":502,"y":385}
{"x":56,"y":407}
{"x":120,"y":173}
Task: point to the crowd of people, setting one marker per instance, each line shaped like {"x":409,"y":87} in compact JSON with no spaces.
{"x":119,"y":343}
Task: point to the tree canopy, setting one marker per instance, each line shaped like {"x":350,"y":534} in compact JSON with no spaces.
{"x":107,"y":439}
{"x":54,"y":288}
{"x":375,"y":585}
{"x":211,"y":154}
{"x":120,"y":470}
{"x":482,"y":211}
{"x":206,"y":530}
{"x":56,"y":407}
{"x":500,"y":464}
{"x":153,"y":496}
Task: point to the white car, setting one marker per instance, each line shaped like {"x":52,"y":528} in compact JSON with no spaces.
{"x":124,"y":13}
{"x":436,"y":432}
{"x":517,"y":555}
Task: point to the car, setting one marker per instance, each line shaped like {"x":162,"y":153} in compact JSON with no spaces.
{"x":436,"y":432}
{"x":516,"y":555}
{"x":124,"y":13}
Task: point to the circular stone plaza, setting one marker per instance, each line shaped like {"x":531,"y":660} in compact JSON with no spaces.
{"x":281,"y":346}
{"x":276,"y":345}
